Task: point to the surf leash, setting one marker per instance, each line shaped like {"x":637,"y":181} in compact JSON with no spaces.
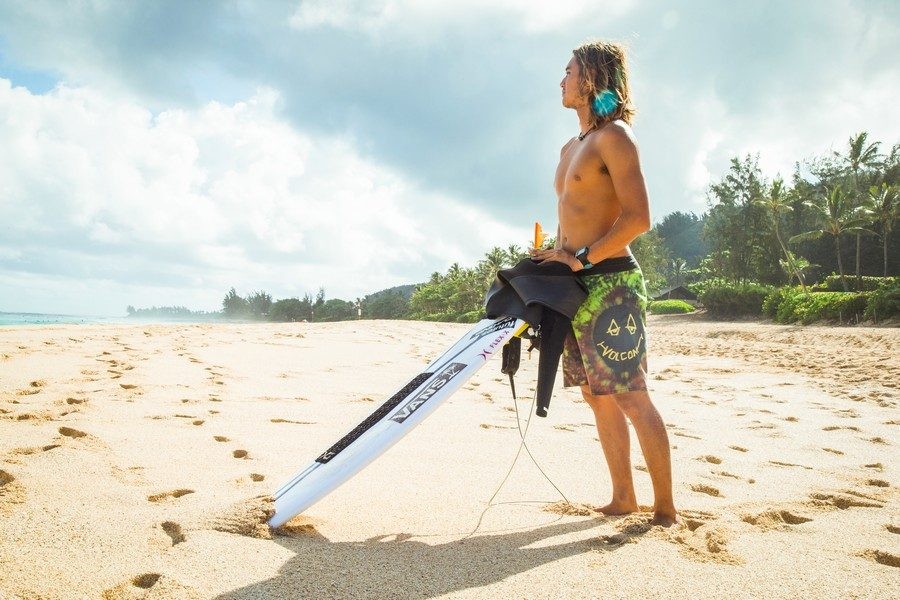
{"x":522,"y":445}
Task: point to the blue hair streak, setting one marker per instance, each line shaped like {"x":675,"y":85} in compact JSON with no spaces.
{"x":605,"y":103}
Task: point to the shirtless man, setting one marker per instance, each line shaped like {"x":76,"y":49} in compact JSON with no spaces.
{"x":603,"y":207}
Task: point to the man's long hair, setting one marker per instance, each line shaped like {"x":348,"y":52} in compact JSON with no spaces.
{"x":605,"y":81}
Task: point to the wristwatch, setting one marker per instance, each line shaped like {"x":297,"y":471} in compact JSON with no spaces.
{"x":582,"y":256}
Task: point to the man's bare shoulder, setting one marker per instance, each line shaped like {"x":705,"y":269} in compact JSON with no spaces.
{"x":616,"y":135}
{"x":565,"y":147}
{"x":615,"y":138}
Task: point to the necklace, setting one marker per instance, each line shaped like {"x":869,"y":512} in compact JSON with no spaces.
{"x":581,"y":136}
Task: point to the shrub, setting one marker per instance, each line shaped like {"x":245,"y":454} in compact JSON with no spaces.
{"x":699,"y":287}
{"x":785,"y":311}
{"x":669,"y":307}
{"x":817,"y":306}
{"x":734,"y":299}
{"x":883,"y":304}
{"x":867,"y":283}
{"x":775,"y":298}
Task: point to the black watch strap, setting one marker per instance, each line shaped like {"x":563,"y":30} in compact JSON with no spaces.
{"x":582,"y":256}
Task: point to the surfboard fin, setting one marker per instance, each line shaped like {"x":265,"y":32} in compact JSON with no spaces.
{"x":512,"y":353}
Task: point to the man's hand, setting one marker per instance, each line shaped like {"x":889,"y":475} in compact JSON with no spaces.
{"x":557,"y":255}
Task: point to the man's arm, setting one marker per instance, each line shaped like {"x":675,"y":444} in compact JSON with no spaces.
{"x":619,"y":153}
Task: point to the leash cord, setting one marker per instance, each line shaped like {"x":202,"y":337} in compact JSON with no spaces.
{"x":522,"y":444}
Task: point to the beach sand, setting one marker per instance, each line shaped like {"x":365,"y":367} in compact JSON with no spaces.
{"x":136,"y":460}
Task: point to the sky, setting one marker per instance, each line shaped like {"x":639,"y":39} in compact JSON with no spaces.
{"x":160,"y":153}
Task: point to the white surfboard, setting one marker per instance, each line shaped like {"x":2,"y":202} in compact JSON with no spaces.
{"x":395,"y":418}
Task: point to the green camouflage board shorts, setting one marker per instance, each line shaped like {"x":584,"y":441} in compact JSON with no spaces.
{"x":607,"y":347}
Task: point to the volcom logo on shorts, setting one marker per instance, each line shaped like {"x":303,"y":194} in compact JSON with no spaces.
{"x":619,"y":337}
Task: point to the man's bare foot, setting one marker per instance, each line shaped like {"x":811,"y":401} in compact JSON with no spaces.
{"x":618,"y":508}
{"x":665,"y":519}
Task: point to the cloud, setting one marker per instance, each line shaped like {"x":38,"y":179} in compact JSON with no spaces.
{"x":411,"y":16}
{"x":222,"y":195}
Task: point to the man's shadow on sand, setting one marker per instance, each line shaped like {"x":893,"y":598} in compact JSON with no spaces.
{"x":400,"y":567}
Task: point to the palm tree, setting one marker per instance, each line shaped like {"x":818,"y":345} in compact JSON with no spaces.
{"x":679,"y":266}
{"x":776,"y":203}
{"x":835,"y":216}
{"x":495,"y":259}
{"x":514,"y":254}
{"x":796,"y":266}
{"x":860,"y":155}
{"x":884,"y":210}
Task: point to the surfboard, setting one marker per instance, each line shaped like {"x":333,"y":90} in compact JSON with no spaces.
{"x":399,"y":415}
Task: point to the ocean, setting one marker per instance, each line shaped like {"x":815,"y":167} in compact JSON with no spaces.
{"x":15,"y":319}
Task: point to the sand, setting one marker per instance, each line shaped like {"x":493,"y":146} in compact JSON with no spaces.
{"x":137,"y":461}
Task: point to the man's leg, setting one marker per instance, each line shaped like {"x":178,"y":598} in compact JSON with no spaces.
{"x":654,"y":441}
{"x":613,"y":431}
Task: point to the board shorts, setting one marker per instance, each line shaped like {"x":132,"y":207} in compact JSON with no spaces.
{"x":607,"y":346}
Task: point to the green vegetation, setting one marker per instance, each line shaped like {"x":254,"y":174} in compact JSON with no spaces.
{"x":726,"y":301}
{"x":458,"y":295}
{"x":880,"y":302}
{"x":883,"y":304}
{"x":669,"y":307}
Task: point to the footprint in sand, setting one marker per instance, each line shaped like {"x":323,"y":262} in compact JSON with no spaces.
{"x":833,"y":451}
{"x":173,"y":530}
{"x":845,"y":501}
{"x":787,"y":464}
{"x":877,"y":466}
{"x":128,"y":386}
{"x":738,"y":448}
{"x":220,"y":438}
{"x":72,"y":433}
{"x":710,"y":459}
{"x":198,"y":422}
{"x":892,"y":528}
{"x":706,"y":489}
{"x":257,"y":477}
{"x":881,"y":557}
{"x":240,"y":454}
{"x":774,"y":519}
{"x":126,"y":589}
{"x":878,"y":483}
{"x":75,"y":401}
{"x":163,"y":496}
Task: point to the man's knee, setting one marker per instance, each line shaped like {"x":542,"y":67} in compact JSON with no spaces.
{"x":635,"y":402}
{"x":598,"y":402}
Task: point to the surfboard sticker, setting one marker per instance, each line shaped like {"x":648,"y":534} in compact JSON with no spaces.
{"x":402,"y":412}
{"x":376,"y":416}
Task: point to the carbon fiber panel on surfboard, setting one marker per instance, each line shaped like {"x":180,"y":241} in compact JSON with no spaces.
{"x":405,"y":409}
